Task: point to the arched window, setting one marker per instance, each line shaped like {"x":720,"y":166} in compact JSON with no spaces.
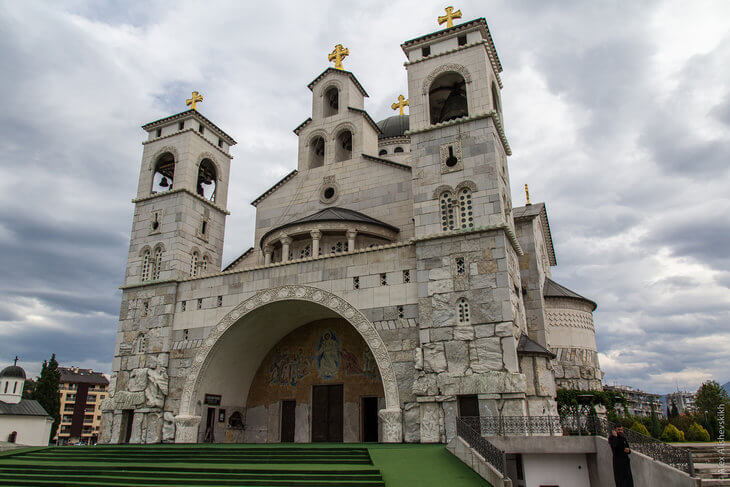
{"x":204,"y":264}
{"x":331,"y":101}
{"x":146,"y":264}
{"x":466,"y":216}
{"x":164,"y":175}
{"x":206,"y":180}
{"x":343,"y":146}
{"x":447,"y":98}
{"x":316,"y":152}
{"x":382,"y":152}
{"x":194,"y":264}
{"x":157,"y":264}
{"x":305,"y":252}
{"x":462,"y":310}
{"x":12,"y":437}
{"x":338,"y":247}
{"x":495,"y":99}
{"x":448,"y":211}
{"x":398,"y":149}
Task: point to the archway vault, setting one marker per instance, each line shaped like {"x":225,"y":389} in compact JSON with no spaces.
{"x":246,"y":314}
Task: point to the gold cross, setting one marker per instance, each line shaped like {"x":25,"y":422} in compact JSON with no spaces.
{"x":402,"y":102}
{"x":527,"y":194}
{"x":338,"y":55}
{"x":193,"y":100}
{"x":449,"y":17}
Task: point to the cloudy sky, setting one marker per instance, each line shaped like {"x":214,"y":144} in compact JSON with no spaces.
{"x":618,"y":114}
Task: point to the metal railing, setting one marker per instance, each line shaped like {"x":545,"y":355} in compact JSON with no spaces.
{"x":516,"y":425}
{"x":491,"y":454}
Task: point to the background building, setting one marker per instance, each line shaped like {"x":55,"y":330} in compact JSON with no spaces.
{"x":82,"y":391}
{"x":22,"y":421}
{"x":684,"y":400}
{"x":639,"y":402}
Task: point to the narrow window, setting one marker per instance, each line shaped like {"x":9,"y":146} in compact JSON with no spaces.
{"x":406,"y":276}
{"x":207,"y":178}
{"x":426,"y":51}
{"x":181,"y":125}
{"x":460,"y":266}
{"x":461,"y":40}
{"x":451,"y":160}
{"x":316,"y":152}
{"x":200,"y":303}
{"x":146,"y":265}
{"x":343,"y":146}
{"x":182,"y":306}
{"x":383,"y":152}
{"x":383,"y":279}
{"x":6,"y":387}
{"x":462,"y":311}
{"x":400,"y":312}
{"x":203,"y":227}
{"x":194,"y":265}
{"x":157,"y":267}
{"x":201,"y":129}
{"x":465,"y":209}
{"x":186,"y":334}
{"x":356,"y":283}
{"x":220,"y":142}
{"x":331,"y":101}
{"x":220,"y":301}
{"x":159,"y":132}
{"x":145,"y":308}
{"x":15,"y":387}
{"x":204,"y":264}
{"x":448,"y":216}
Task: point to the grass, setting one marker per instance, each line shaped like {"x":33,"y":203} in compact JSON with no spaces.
{"x":397,"y":465}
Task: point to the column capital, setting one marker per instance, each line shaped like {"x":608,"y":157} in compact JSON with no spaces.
{"x":316,"y":234}
{"x":351,"y":233}
{"x":268,"y":249}
{"x":285,"y":240}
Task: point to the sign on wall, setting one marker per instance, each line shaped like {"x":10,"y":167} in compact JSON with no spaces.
{"x":213,"y":399}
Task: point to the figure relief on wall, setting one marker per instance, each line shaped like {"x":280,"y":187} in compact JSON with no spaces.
{"x":288,"y":368}
{"x":327,"y":355}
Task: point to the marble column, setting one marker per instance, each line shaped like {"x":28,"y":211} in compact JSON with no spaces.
{"x":267,"y":254}
{"x":285,"y":243}
{"x":316,"y":237}
{"x":351,"y":234}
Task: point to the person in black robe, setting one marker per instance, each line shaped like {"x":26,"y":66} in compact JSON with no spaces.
{"x":621,"y":463}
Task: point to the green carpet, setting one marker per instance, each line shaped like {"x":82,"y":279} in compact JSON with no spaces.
{"x":363,"y":465}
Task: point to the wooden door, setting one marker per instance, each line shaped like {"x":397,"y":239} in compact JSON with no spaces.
{"x":288,"y":409}
{"x":327,"y":413}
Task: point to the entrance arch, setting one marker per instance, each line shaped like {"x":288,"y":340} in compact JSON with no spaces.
{"x":248,"y":332}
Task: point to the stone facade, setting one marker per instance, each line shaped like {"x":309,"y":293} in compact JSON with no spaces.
{"x":419,"y":251}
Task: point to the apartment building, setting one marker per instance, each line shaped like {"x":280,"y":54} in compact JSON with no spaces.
{"x":639,"y":402}
{"x":82,"y":391}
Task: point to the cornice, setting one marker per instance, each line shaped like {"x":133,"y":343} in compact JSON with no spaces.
{"x":399,"y":165}
{"x":484,"y":42}
{"x":302,"y":125}
{"x":182,"y":190}
{"x":398,"y":139}
{"x":229,"y":156}
{"x":338,"y":71}
{"x":367,"y":117}
{"x":193,"y":114}
{"x":466,"y":231}
{"x":276,"y":186}
{"x":492,"y":114}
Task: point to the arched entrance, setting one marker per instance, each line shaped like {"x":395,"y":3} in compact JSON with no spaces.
{"x":227,"y":362}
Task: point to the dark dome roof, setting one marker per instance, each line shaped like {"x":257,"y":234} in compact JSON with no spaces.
{"x":13,"y":371}
{"x":394,"y":126}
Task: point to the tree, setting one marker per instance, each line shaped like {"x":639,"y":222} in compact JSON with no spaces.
{"x":640,"y":428}
{"x":674,"y":412}
{"x":709,"y":397}
{"x":671,"y":433}
{"x":46,"y":391}
{"x":654,"y":428}
{"x":697,"y":433}
{"x":28,"y":389}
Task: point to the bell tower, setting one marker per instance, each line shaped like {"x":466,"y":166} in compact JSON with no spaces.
{"x":180,"y":208}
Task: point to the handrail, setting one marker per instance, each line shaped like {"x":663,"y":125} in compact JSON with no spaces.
{"x":465,"y":429}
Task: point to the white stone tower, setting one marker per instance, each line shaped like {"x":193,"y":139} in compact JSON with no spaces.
{"x":12,"y":380}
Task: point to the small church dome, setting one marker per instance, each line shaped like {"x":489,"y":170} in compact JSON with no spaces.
{"x":12,"y":371}
{"x":394,"y":126}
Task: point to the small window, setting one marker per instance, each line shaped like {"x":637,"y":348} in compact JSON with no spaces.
{"x":356,"y":283}
{"x":220,"y":142}
{"x":426,"y":51}
{"x":159,"y":132}
{"x":201,"y":129}
{"x":460,"y":266}
{"x":398,"y":149}
{"x":220,"y":301}
{"x":203,"y":227}
{"x":182,"y":306}
{"x":328,"y":193}
{"x":186,"y":334}
{"x":461,"y":40}
{"x":400,"y":312}
{"x":462,"y":311}
{"x":194,"y":264}
{"x":383,"y":279}
{"x":146,"y":265}
{"x":181,"y":125}
{"x":406,"y":276}
{"x":157,"y":264}
{"x":145,"y":308}
{"x":451,"y":160}
{"x":200,"y":303}
{"x":448,"y":218}
{"x":383,"y":152}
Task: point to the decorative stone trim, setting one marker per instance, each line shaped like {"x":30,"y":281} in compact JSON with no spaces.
{"x":167,"y":148}
{"x":450,"y":233}
{"x":186,"y":344}
{"x":338,"y":71}
{"x":398,"y":139}
{"x":492,"y":114}
{"x":229,"y":156}
{"x":395,"y":324}
{"x":192,"y":114}
{"x":288,"y":293}
{"x":182,"y":190}
{"x":399,"y":165}
{"x":444,"y":68}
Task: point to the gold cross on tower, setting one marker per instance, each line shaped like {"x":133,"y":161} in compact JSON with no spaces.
{"x":527,"y":194}
{"x":338,"y":55}
{"x":402,"y":102}
{"x":193,"y":100}
{"x":449,"y":17}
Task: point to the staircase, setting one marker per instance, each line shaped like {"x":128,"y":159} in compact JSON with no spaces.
{"x":190,"y":465}
{"x":706,"y":459}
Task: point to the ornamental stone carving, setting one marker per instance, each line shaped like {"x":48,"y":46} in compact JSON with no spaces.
{"x":392,"y":423}
{"x":186,"y":428}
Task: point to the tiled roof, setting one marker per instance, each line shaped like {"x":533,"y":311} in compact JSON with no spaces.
{"x":194,"y":114}
{"x":527,"y":346}
{"x":238,"y":259}
{"x":26,"y":407}
{"x":552,"y":289}
{"x":338,"y":71}
{"x":538,"y":210}
{"x":81,"y":376}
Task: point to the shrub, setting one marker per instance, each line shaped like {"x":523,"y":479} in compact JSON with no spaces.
{"x":640,"y":428}
{"x":671,"y":433}
{"x":683,"y":422}
{"x":697,"y":433}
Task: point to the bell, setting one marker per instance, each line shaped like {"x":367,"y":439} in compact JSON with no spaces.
{"x":164,"y":183}
{"x":455,"y":105}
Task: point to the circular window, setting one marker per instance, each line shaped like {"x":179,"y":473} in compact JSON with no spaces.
{"x":328,"y":193}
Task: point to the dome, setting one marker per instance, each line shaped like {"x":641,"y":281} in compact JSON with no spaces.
{"x":394,"y":126}
{"x":13,"y":371}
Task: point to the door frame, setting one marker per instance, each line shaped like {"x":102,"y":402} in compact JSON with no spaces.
{"x":311,"y":407}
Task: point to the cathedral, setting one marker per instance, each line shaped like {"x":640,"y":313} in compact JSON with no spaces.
{"x":391,"y":286}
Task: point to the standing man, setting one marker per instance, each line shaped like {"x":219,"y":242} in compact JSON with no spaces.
{"x":621,"y":463}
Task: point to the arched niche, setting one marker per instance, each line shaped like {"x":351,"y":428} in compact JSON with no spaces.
{"x":207,"y":180}
{"x":331,"y":101}
{"x":343,"y":146}
{"x":164,"y":173}
{"x":447,"y":98}
{"x":316,"y":151}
